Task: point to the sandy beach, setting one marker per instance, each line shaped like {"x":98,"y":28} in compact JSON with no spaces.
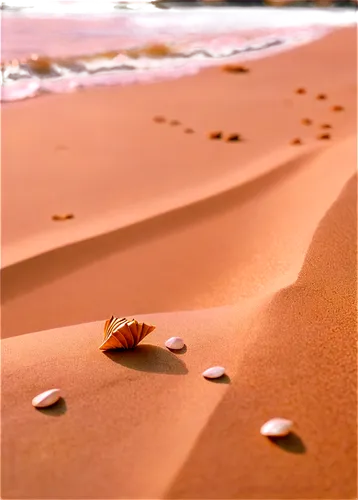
{"x":247,"y":250}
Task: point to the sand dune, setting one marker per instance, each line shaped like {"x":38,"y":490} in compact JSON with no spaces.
{"x":189,"y":438}
{"x":85,"y":282}
{"x":300,"y":362}
{"x":93,"y":279}
{"x":260,"y":277}
{"x":99,"y":155}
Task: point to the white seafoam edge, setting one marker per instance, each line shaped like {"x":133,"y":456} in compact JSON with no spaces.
{"x":151,"y":70}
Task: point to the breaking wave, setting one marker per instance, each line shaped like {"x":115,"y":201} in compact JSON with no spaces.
{"x":152,"y":46}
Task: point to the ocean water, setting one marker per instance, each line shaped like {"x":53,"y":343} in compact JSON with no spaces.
{"x":62,"y":45}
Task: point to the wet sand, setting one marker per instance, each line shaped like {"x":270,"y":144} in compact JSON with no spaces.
{"x":246,"y":249}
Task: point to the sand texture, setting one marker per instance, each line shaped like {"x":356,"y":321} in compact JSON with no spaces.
{"x":247,"y":249}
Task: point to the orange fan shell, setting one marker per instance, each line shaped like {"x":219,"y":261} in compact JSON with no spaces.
{"x":122,"y":333}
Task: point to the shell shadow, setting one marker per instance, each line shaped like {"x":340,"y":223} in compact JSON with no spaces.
{"x":225,"y":379}
{"x":56,"y":410}
{"x":149,"y":358}
{"x":179,"y":351}
{"x":291,"y":443}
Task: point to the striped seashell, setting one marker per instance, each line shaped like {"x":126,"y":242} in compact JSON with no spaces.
{"x":47,"y":398}
{"x":276,"y":427}
{"x":123,"y":333}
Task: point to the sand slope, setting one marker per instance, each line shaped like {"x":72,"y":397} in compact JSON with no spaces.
{"x":118,"y":187}
{"x":292,"y":353}
{"x":302,"y":365}
{"x":260,"y":278}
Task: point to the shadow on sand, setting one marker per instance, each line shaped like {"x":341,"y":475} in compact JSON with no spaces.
{"x":58,"y":409}
{"x":62,"y":262}
{"x":291,"y":443}
{"x":149,"y":358}
{"x":291,"y":370}
{"x":225,"y":379}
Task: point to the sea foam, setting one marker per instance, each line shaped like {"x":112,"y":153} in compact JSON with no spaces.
{"x":93,"y":43}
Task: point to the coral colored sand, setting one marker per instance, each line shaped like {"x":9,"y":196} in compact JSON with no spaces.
{"x":247,"y":250}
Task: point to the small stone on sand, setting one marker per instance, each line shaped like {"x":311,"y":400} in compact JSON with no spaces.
{"x":174,"y":343}
{"x":276,"y":427}
{"x":214,"y":372}
{"x":47,"y":398}
{"x":215,"y":135}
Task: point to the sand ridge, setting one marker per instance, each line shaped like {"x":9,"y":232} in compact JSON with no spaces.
{"x":235,"y":103}
{"x":260,"y":278}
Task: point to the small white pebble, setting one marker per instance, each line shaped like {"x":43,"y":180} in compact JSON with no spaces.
{"x":175,"y":343}
{"x":46,"y":398}
{"x":276,"y":427}
{"x":214,"y":372}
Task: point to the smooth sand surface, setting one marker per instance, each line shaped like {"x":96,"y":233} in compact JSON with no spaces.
{"x":259,"y":277}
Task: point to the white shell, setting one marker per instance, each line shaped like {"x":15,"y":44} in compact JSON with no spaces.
{"x":276,"y":427}
{"x":214,"y":372}
{"x":46,"y":398}
{"x":175,"y":343}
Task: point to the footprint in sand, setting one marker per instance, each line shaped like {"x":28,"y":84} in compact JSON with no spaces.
{"x":321,"y":97}
{"x":337,"y":108}
{"x":301,"y":90}
{"x":233,"y":138}
{"x":324,"y":137}
{"x":326,"y":126}
{"x":296,"y":141}
{"x":217,"y":134}
{"x":235,"y":68}
{"x":159,"y":119}
{"x":62,"y":217}
{"x":173,"y":123}
{"x":306,"y":121}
